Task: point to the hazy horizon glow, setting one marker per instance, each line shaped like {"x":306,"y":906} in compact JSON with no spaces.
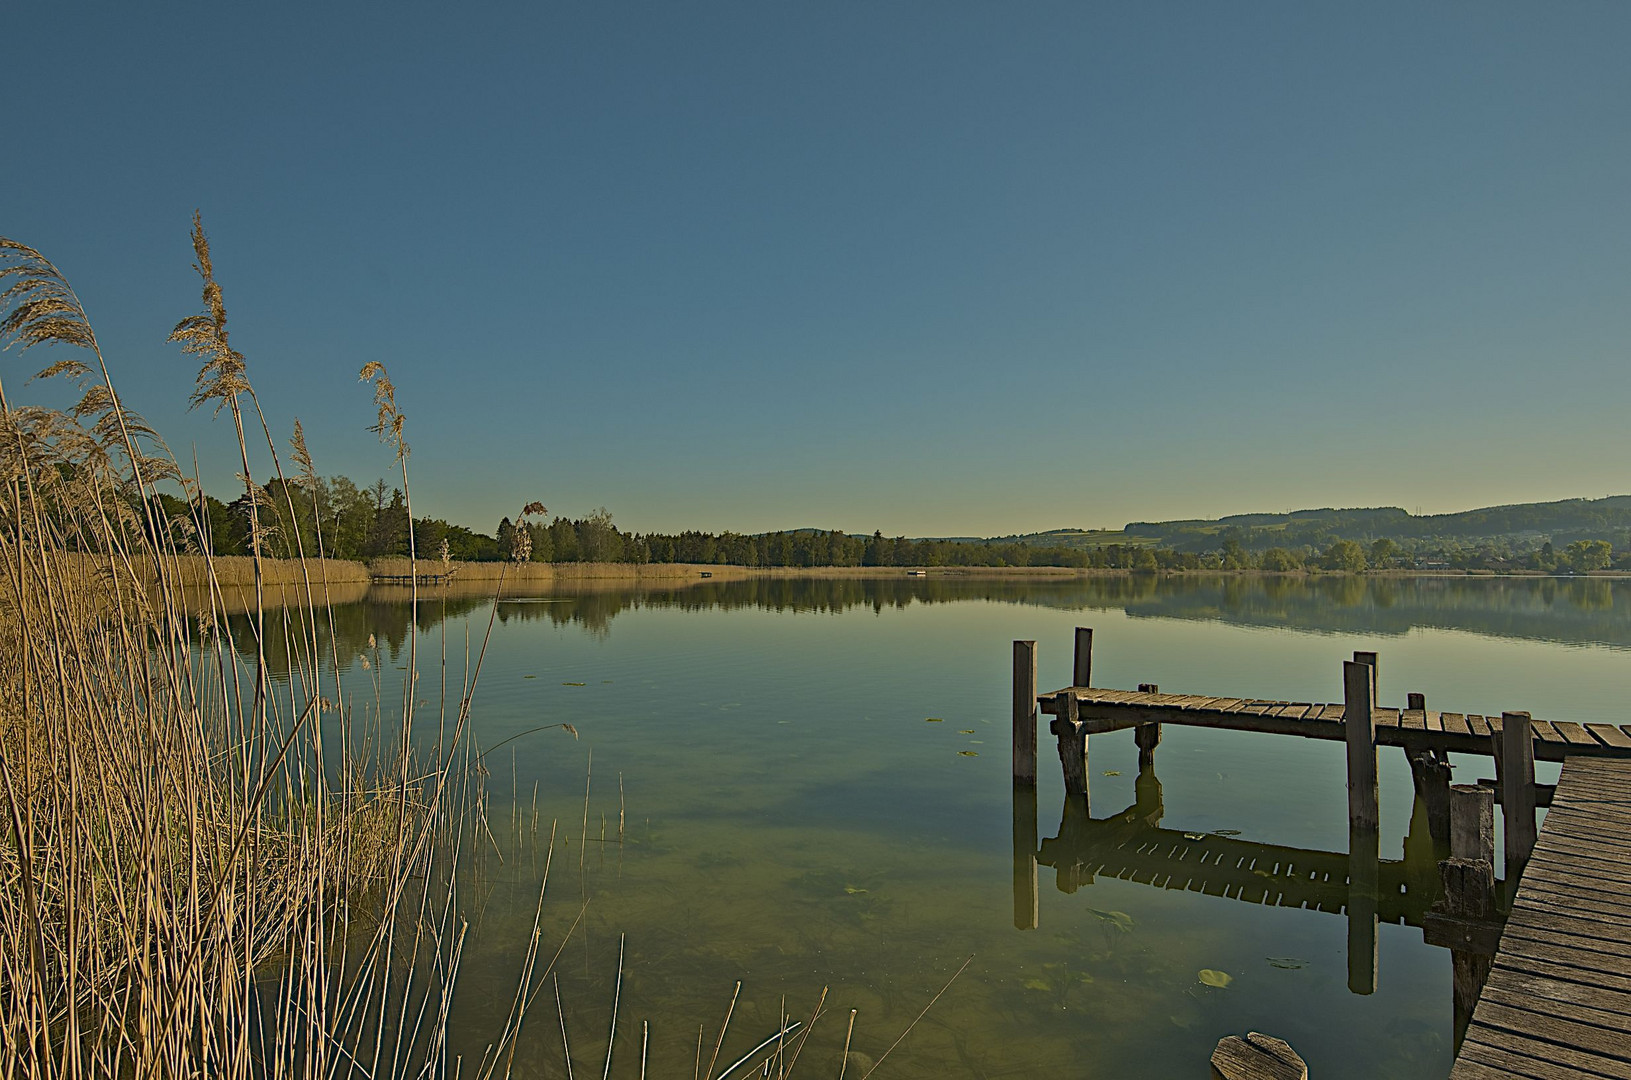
{"x":934,"y":269}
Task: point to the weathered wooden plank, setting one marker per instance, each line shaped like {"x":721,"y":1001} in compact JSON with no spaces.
{"x":1558,"y":1010}
{"x":1479,"y":726}
{"x":1387,"y":718}
{"x":1573,"y":733}
{"x":1566,"y":993}
{"x":1455,"y":724}
{"x":1543,"y":731}
{"x":1586,"y":965}
{"x":1568,"y":969}
{"x":1517,"y":1055}
{"x":1609,"y":735}
{"x":1501,"y":1017}
{"x":1435,"y":721}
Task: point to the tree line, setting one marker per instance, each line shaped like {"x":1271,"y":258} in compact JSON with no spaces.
{"x":340,"y":519}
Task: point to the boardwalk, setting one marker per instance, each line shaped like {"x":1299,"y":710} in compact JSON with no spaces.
{"x":1462,"y":733}
{"x":1557,"y":1002}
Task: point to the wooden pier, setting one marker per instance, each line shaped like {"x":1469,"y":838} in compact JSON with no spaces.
{"x":1557,"y":999}
{"x":414,"y":579}
{"x":1547,"y":997}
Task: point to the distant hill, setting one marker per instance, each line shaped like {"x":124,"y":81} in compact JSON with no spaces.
{"x":1530,"y":524}
{"x":1560,"y":522}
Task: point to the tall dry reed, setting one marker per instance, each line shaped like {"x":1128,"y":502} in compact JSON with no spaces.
{"x":203,"y":872}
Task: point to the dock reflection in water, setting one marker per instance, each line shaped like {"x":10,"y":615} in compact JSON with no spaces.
{"x":1134,"y":846}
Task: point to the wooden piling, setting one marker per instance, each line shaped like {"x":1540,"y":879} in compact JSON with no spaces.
{"x":1517,"y":791}
{"x":1025,"y":712}
{"x":1359,"y":723}
{"x":1147,"y":736}
{"x":1072,"y":734}
{"x":1468,"y":898}
{"x":1416,"y":701}
{"x":1369,"y":660}
{"x":1472,"y":822}
{"x":1082,"y":669}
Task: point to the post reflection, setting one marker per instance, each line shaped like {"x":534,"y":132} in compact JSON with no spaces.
{"x":1135,"y":846}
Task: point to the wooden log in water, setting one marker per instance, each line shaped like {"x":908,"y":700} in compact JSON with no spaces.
{"x":1025,"y":712}
{"x":1517,"y":791}
{"x":1257,"y":1057}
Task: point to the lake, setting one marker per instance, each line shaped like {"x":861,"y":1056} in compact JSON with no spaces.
{"x":805,"y":783}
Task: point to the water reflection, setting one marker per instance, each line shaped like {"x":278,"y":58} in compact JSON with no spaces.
{"x":1134,"y":846}
{"x":1571,"y":611}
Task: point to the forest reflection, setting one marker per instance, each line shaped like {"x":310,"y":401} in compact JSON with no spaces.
{"x":1581,"y":611}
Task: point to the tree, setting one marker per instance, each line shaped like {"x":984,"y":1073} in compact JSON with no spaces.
{"x":1344,"y":555}
{"x":1383,"y":551}
{"x":1279,"y":561}
{"x":1584,"y":555}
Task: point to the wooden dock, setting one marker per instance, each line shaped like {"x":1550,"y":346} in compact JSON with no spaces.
{"x":1541,"y":967}
{"x":1557,"y":1000}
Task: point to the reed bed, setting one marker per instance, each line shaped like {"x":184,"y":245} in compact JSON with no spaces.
{"x":203,"y":871}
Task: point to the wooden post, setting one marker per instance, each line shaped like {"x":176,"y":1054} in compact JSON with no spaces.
{"x":1072,"y":744}
{"x":1025,"y":712}
{"x":1430,"y":770}
{"x":1517,"y":792}
{"x":1472,"y":822}
{"x":1082,"y":670}
{"x":1026,"y":910}
{"x":1364,"y":839}
{"x":1369,"y":660}
{"x":1147,"y":736}
{"x":1469,"y":892}
{"x":1359,"y":722}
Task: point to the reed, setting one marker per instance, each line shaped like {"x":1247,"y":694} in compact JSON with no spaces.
{"x":202,"y":872}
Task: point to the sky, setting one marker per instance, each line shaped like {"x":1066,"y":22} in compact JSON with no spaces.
{"x":933,"y":268}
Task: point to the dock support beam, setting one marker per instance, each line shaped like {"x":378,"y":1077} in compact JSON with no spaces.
{"x":1025,"y":712}
{"x":1517,"y":781}
{"x":1147,"y":736}
{"x":1072,"y":734}
{"x":1430,"y":770}
{"x":1082,"y":668}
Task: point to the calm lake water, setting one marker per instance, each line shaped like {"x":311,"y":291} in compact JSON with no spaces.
{"x":812,"y":779}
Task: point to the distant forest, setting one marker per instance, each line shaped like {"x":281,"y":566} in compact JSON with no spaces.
{"x":355,"y":522}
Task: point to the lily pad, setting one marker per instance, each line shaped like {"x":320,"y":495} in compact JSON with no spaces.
{"x":1112,"y":772}
{"x":853,"y":891}
{"x":934,"y":719}
{"x":574,"y":684}
{"x":1213,"y":977}
{"x":965,"y":731}
{"x":1119,"y":919}
{"x":529,"y":676}
{"x":1194,"y":836}
{"x":1287,"y":963}
{"x":968,"y":753}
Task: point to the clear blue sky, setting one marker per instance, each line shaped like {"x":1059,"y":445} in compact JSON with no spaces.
{"x":932,"y":268}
